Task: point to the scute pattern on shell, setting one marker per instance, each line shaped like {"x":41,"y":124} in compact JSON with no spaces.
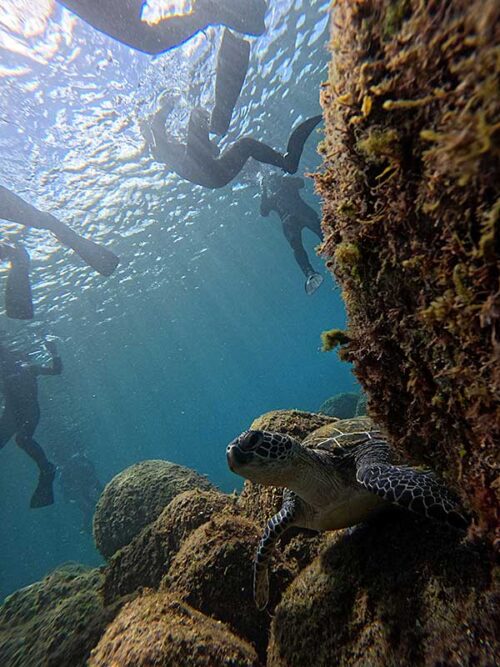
{"x":343,"y":433}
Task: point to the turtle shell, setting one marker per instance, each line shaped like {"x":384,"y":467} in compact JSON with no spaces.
{"x":343,"y":433}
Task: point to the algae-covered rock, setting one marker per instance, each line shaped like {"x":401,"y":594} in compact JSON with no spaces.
{"x":157,"y":630}
{"x":55,"y":621}
{"x":296,"y":423}
{"x":136,"y":497}
{"x":411,"y":194}
{"x":144,"y":561}
{"x":342,"y":406}
{"x":362,"y":406}
{"x":213,"y":573}
{"x":397,"y":591}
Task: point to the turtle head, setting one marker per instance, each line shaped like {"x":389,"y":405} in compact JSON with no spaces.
{"x":263,"y":457}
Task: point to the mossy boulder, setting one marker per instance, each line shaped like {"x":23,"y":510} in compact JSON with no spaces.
{"x":157,"y":630}
{"x":362,"y":406}
{"x":144,"y":561}
{"x":136,"y":497}
{"x":55,"y":621}
{"x":213,"y":573}
{"x":410,"y":186}
{"x":296,"y":423}
{"x":397,"y":591}
{"x":342,"y":406}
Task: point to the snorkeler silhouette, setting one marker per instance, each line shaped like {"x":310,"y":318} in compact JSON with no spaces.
{"x":122,"y":20}
{"x":281,"y":194}
{"x":19,"y":382}
{"x":18,"y":298}
{"x":198,"y":160}
{"x":80,"y":485}
{"x":16,"y":210}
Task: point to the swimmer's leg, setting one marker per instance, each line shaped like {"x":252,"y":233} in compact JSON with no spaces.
{"x":97,"y":256}
{"x":232,"y":65}
{"x":292,"y":230}
{"x":15,"y":209}
{"x":297,"y":141}
{"x":247,"y":147}
{"x":18,"y":297}
{"x":314,"y":224}
{"x":43,"y":494}
{"x":7,"y":425}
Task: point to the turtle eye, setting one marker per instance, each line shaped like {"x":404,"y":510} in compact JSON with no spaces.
{"x":250,"y":441}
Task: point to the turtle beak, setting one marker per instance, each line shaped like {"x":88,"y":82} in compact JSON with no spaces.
{"x":237,"y":458}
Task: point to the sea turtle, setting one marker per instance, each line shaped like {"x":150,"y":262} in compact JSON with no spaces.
{"x":334,"y":483}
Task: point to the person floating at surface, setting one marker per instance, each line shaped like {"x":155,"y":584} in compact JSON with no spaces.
{"x":281,"y":194}
{"x":18,"y":297}
{"x":123,"y":20}
{"x":80,"y":485}
{"x":15,"y":209}
{"x":19,"y":381}
{"x":198,"y":160}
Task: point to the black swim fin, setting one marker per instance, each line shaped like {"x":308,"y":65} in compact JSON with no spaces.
{"x":297,"y":141}
{"x":18,"y":296}
{"x":44,"y":493}
{"x":99,"y":258}
{"x":232,"y":65}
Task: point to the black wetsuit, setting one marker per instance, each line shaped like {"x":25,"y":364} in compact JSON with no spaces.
{"x":198,"y":160}
{"x":281,"y":194}
{"x":19,"y":383}
{"x":18,"y":296}
{"x":121,"y":20}
{"x":16,"y":210}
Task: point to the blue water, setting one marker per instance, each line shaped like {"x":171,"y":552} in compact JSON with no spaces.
{"x":205,"y":324}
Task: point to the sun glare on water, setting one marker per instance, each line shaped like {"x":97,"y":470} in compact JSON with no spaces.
{"x":154,"y":11}
{"x":24,"y":17}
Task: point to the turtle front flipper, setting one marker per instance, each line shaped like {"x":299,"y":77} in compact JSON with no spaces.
{"x":417,"y":490}
{"x":276,"y":526}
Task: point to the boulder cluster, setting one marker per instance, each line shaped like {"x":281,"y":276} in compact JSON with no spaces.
{"x":399,"y":590}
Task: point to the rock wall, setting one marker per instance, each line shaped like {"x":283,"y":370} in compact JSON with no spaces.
{"x":412,"y":227}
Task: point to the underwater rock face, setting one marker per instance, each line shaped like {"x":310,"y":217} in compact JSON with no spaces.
{"x":144,"y":561}
{"x":342,"y":406}
{"x":136,"y":497}
{"x":55,"y":621}
{"x":296,"y":423}
{"x":411,"y":193}
{"x":213,"y":573}
{"x":156,"y":629}
{"x":397,"y":591}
